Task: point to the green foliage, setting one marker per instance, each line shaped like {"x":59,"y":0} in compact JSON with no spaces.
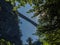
{"x":23,"y":2}
{"x":5,"y":42}
{"x":29,"y":40}
{"x":49,"y":21}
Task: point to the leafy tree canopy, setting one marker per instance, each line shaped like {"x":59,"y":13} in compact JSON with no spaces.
{"x":49,"y":22}
{"x":23,"y":2}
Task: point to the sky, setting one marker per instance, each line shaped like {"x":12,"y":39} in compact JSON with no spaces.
{"x":27,"y":28}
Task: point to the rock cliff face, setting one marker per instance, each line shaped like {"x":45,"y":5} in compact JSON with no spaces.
{"x":9,"y":28}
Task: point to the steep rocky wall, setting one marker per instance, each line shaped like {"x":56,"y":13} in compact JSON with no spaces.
{"x":9,"y":28}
